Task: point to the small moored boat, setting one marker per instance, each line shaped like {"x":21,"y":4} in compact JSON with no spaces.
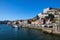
{"x":15,"y":26}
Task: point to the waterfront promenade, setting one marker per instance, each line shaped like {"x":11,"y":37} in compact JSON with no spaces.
{"x":53,"y":30}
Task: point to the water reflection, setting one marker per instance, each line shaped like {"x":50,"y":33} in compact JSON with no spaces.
{"x":32,"y":34}
{"x":16,"y":29}
{"x":9,"y":33}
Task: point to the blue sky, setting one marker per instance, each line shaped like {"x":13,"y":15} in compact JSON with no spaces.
{"x":24,"y":9}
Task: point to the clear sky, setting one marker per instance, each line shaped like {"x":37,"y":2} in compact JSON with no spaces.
{"x":24,"y":9}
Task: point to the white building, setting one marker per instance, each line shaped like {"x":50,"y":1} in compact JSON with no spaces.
{"x":42,"y":15}
{"x":46,"y":10}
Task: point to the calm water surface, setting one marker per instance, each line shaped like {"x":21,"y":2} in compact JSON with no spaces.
{"x":9,"y":33}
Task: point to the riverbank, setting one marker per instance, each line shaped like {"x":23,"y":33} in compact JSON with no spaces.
{"x":39,"y":27}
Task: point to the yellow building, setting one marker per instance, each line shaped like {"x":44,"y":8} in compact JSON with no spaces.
{"x":34,"y":22}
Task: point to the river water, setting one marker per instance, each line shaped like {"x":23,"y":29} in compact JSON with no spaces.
{"x":9,"y":33}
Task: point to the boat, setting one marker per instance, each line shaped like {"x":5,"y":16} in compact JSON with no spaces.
{"x":15,"y":26}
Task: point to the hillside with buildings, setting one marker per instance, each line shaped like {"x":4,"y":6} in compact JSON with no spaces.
{"x":49,"y":18}
{"x":49,"y":15}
